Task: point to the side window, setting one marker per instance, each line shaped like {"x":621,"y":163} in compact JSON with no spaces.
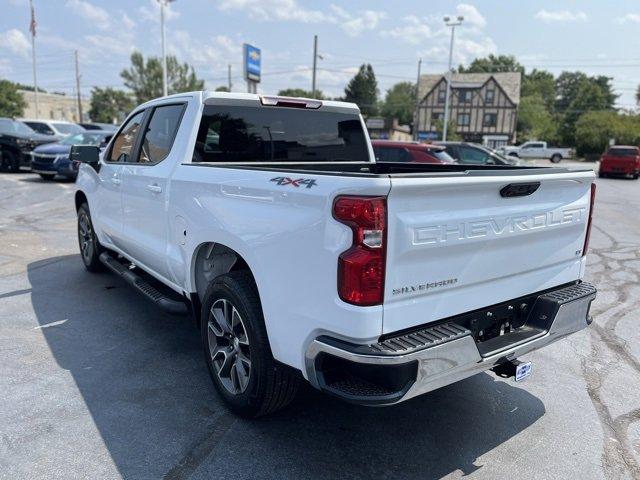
{"x":160,"y":133}
{"x":126,"y":139}
{"x":453,"y":151}
{"x":41,"y":128}
{"x":473,"y":156}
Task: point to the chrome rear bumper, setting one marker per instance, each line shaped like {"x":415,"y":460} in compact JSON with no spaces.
{"x":437,"y":356}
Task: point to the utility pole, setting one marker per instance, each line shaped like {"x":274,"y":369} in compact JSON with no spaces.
{"x":78,"y":88}
{"x":315,"y":60}
{"x":416,"y":117}
{"x":229,"y":77}
{"x":453,"y":25}
{"x":32,"y":29}
{"x":165,"y":90}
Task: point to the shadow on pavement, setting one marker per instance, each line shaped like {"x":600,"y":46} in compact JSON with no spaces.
{"x":142,"y":376}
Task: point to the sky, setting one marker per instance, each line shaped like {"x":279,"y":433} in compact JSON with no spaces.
{"x":597,"y":37}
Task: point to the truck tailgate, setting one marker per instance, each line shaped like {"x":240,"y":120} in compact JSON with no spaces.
{"x":455,"y":244}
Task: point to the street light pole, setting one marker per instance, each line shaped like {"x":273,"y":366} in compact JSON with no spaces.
{"x":315,"y":59}
{"x":453,"y":25}
{"x":165,"y":90}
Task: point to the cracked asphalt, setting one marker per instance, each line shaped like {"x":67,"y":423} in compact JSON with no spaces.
{"x":98,"y":383}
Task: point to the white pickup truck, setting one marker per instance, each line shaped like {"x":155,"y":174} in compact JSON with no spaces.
{"x":539,"y":150}
{"x":300,"y":257}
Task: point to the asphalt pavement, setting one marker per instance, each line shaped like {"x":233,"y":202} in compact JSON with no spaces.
{"x":96,"y":382}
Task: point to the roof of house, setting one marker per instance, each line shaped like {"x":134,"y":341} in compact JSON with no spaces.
{"x":509,"y":81}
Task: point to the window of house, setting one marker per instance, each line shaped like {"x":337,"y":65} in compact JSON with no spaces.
{"x":489,"y":97}
{"x":490,"y":120}
{"x":437,"y":117}
{"x":465,"y":95}
{"x":442,"y":96}
{"x":464,"y":119}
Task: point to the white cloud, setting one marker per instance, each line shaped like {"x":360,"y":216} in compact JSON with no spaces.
{"x":553,"y":16}
{"x":117,"y":45}
{"x":430,"y":31}
{"x":127,"y":21}
{"x":367,"y":20}
{"x":16,"y":42}
{"x":353,"y":24}
{"x":152,"y":12}
{"x":272,"y":10}
{"x":629,"y":18}
{"x":471,"y":15}
{"x":97,"y":15}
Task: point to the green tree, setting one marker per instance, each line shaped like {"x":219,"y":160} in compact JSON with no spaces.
{"x":589,"y":97}
{"x":362,"y":90}
{"x":542,"y":84}
{"x":535,"y":121}
{"x":493,"y":64}
{"x":109,"y":105}
{"x":400,"y":102}
{"x":144,"y":78}
{"x":300,"y":92}
{"x":452,"y":134}
{"x":593,"y":131}
{"x":222,"y":88}
{"x":12,"y":103}
{"x":638,"y":95}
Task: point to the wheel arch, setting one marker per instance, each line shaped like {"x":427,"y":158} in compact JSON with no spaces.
{"x":209,"y":261}
{"x":80,"y":198}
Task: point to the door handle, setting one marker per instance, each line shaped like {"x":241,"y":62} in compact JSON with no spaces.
{"x":154,"y":188}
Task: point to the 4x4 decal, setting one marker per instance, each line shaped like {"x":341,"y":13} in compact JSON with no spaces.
{"x":308,"y":182}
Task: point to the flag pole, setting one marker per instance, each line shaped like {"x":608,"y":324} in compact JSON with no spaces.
{"x":32,"y":29}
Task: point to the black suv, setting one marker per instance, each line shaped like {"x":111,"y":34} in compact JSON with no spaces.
{"x":17,"y":140}
{"x":474,"y":154}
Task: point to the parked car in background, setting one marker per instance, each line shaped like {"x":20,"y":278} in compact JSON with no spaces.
{"x":409,"y":152}
{"x":17,"y":140}
{"x":99,"y":126}
{"x":539,"y":150}
{"x":53,"y":159}
{"x":474,"y":154}
{"x":56,"y":128}
{"x":620,"y":160}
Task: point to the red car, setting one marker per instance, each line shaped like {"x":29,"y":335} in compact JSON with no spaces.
{"x":620,"y":160}
{"x":410,"y":152}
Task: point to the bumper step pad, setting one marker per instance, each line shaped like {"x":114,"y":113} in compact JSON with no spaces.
{"x":417,"y":340}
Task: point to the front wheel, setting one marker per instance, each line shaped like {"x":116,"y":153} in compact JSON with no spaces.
{"x":237,"y":350}
{"x":90,"y":248}
{"x":556,"y":158}
{"x":10,"y":162}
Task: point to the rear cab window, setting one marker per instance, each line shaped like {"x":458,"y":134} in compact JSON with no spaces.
{"x":279,"y":134}
{"x":622,"y":152}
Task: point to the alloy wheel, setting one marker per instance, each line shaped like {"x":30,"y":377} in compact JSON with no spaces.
{"x":229,"y":346}
{"x":85,"y":234}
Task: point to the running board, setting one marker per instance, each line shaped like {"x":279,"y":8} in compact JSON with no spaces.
{"x":163,"y":301}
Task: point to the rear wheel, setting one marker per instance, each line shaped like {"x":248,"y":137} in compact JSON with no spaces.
{"x":237,"y":350}
{"x":47,"y":176}
{"x":90,"y":248}
{"x":555,"y":158}
{"x":602,"y":175}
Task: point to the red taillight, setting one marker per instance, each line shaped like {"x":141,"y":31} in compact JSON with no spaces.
{"x":586,"y":238}
{"x":361,"y":268}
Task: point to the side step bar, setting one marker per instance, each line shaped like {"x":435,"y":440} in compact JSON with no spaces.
{"x":163,"y":301}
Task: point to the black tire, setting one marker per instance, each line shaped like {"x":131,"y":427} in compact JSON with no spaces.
{"x":602,"y":175}
{"x":555,"y":158}
{"x":10,"y":162}
{"x":90,"y":248}
{"x":268,"y":386}
{"x":47,"y":177}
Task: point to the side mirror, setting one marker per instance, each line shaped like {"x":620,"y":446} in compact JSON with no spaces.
{"x":89,"y":154}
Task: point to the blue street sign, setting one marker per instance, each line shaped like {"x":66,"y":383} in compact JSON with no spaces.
{"x":428,"y":135}
{"x":252,"y":62}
